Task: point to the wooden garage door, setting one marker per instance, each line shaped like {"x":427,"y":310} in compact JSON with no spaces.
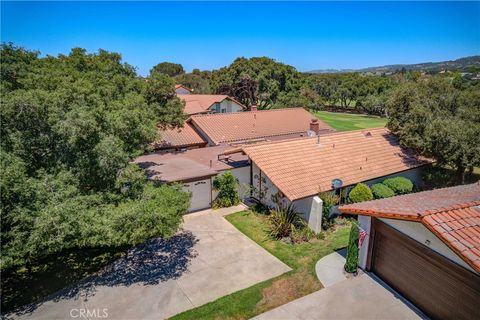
{"x":437,"y":286}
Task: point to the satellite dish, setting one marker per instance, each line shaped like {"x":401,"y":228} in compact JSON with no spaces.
{"x":311,"y":133}
{"x":337,"y":183}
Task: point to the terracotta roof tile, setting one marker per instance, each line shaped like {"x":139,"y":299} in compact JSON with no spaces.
{"x":243,"y":126}
{"x":301,"y":167}
{"x":200,"y":103}
{"x":179,"y":137}
{"x":451,"y":213}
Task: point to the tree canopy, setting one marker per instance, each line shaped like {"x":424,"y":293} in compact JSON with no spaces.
{"x":167,"y":68}
{"x":439,"y":120}
{"x":70,"y":125}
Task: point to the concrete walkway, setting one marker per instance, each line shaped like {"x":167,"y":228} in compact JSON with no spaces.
{"x":357,"y":298}
{"x":158,"y":279}
{"x":329,"y":269}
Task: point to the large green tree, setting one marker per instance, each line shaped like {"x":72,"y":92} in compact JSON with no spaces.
{"x":70,"y":126}
{"x":439,"y":120}
{"x":258,"y":81}
{"x":167,"y":68}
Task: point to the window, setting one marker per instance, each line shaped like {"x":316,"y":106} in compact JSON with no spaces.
{"x":224,"y":110}
{"x":217,"y":107}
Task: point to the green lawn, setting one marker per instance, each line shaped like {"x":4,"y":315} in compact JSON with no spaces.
{"x":347,"y":121}
{"x":269,"y":294}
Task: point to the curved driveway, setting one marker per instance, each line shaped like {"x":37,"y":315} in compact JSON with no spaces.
{"x":158,"y":279}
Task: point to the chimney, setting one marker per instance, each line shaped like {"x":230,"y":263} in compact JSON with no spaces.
{"x":315,"y":126}
{"x":253,"y":108}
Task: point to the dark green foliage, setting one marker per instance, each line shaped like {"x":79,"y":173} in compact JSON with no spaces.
{"x":351,"y":263}
{"x":227,"y":186}
{"x":70,"y":126}
{"x":283,"y":220}
{"x":381,"y":191}
{"x":260,"y":81}
{"x":361,"y":192}
{"x":198,"y":81}
{"x":438,"y":120}
{"x":329,"y":200}
{"x":168,"y":68}
{"x":399,"y":185}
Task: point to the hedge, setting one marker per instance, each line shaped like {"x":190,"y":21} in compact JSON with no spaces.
{"x":381,"y":191}
{"x":399,"y":185}
{"x":361,"y":192}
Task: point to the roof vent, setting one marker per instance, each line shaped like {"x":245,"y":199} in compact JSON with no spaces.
{"x":367,"y":134}
{"x":315,"y":126}
{"x":253,"y":108}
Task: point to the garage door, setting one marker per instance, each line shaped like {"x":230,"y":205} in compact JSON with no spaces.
{"x":437,"y":286}
{"x":201,"y":194}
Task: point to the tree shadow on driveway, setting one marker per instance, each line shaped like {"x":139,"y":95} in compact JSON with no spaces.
{"x":154,"y":261}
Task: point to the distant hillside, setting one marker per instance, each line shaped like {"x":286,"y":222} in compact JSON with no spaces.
{"x":466,"y":64}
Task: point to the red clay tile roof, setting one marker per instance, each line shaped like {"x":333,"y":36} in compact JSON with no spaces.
{"x":452,"y":214}
{"x":179,"y":137}
{"x":189,"y":164}
{"x":200,"y":103}
{"x":182,"y":86}
{"x":301,"y":167}
{"x":243,"y":126}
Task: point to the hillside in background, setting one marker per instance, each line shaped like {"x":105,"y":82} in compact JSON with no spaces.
{"x":466,"y":64}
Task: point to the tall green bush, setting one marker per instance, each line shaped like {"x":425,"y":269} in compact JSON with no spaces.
{"x":329,"y":199}
{"x":361,"y":192}
{"x":227,"y":186}
{"x":381,"y":191}
{"x":351,"y":263}
{"x":399,"y":185}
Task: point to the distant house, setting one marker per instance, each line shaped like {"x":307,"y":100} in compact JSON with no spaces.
{"x":240,"y":127}
{"x":210,"y":103}
{"x":180,"y":89}
{"x":426,"y":246}
{"x":295,"y":171}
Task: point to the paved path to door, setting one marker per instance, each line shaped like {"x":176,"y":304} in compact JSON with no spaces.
{"x":357,"y":298}
{"x":207,"y":260}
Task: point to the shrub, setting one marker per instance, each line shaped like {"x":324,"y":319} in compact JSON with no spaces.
{"x":301,"y":233}
{"x":399,"y":185}
{"x":361,"y":192}
{"x":282,"y":220}
{"x":381,"y":191}
{"x":227,"y":185}
{"x":351,"y":263}
{"x":329,"y":200}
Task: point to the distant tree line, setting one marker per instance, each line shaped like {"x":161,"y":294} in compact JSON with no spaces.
{"x":271,"y":84}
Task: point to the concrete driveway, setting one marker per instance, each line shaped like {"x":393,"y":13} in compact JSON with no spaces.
{"x":158,"y":279}
{"x":361,"y":297}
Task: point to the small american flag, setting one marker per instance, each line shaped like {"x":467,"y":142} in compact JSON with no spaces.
{"x":361,"y":237}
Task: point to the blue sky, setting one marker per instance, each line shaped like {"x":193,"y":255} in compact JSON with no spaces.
{"x":307,"y":35}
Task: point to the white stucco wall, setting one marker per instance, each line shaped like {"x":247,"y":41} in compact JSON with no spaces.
{"x":266,"y":186}
{"x":227,"y":105}
{"x":310,"y":209}
{"x":182,"y":91}
{"x":415,"y":230}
